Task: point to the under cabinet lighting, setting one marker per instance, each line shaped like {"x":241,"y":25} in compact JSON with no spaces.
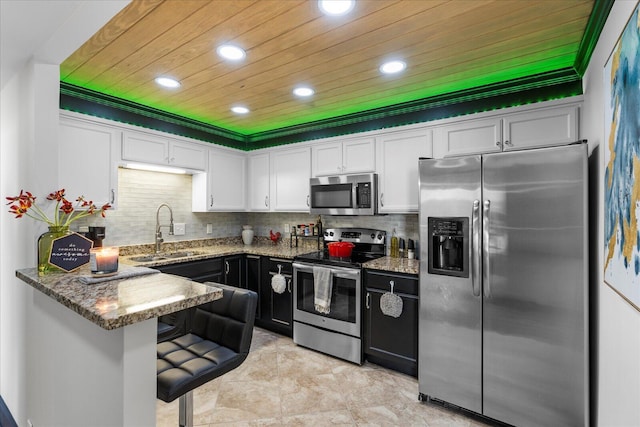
{"x":392,"y":67}
{"x":154,"y":168}
{"x":336,"y":7}
{"x":168,"y":82}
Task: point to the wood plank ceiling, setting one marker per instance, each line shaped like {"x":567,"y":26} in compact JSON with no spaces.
{"x":447,"y":45}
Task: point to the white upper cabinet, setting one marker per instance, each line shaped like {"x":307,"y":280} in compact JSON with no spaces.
{"x":541,"y":128}
{"x":344,"y":157}
{"x":147,"y":148}
{"x":290,"y":172}
{"x":222,"y":187}
{"x":258,"y":182}
{"x":88,"y":155}
{"x":397,"y":166}
{"x":468,"y":137}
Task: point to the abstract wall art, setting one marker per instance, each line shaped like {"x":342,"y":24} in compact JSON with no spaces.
{"x":622,"y":164}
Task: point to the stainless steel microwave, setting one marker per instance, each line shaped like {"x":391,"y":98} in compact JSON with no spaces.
{"x":344,"y":194}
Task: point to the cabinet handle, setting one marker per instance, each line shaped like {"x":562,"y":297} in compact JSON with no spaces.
{"x":113,"y":196}
{"x":368,"y":301}
{"x":226,"y":268}
{"x":266,"y":201}
{"x":507,"y":143}
{"x":307,"y":200}
{"x":289,"y":285}
{"x":382,"y":199}
{"x":498,"y":144}
{"x":392,"y":284}
{"x":211,"y":205}
{"x":173,"y":160}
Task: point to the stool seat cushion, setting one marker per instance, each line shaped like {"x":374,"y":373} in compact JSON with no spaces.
{"x":188,"y":362}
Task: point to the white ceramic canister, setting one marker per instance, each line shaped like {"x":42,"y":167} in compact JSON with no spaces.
{"x":247,"y":234}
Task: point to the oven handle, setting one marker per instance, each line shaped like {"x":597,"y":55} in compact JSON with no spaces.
{"x":336,"y":271}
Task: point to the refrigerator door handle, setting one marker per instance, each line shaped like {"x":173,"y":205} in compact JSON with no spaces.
{"x":475,"y":249}
{"x":485,"y":249}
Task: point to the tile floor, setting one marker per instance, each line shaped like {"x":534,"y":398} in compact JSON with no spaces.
{"x":281,"y":384}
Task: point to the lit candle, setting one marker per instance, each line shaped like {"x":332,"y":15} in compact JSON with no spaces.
{"x":104,"y":260}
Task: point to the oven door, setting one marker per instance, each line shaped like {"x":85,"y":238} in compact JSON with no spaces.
{"x":344,"y":313}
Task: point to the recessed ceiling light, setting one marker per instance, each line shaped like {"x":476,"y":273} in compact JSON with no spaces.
{"x":238,"y":109}
{"x":167,"y":82}
{"x":392,"y":67}
{"x":231,"y":52}
{"x":336,"y":7}
{"x":303,"y":91}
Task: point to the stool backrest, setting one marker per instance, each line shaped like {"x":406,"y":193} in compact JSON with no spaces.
{"x":228,"y":321}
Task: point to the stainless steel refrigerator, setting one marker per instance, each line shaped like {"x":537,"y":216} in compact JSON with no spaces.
{"x":503,"y":285}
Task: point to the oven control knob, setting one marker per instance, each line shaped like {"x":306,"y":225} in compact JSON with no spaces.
{"x":373,"y":236}
{"x":379,"y":236}
{"x":331,"y":233}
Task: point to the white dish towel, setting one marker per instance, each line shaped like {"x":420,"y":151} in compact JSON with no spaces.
{"x":323,"y":286}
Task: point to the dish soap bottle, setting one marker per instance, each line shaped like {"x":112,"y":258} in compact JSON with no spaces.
{"x":394,"y":245}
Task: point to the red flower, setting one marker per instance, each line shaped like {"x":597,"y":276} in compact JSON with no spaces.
{"x":58,"y":196}
{"x":64,"y":213}
{"x":67,"y":206}
{"x":20,"y":209}
{"x":22,"y":198}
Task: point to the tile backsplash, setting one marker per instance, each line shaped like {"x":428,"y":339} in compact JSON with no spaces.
{"x":141,"y":192}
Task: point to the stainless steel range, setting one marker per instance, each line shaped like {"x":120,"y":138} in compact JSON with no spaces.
{"x":327,"y":293}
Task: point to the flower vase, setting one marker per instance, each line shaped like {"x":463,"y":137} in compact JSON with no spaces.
{"x":45,"y":244}
{"x":247,"y":234}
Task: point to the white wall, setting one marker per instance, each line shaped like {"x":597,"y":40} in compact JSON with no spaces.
{"x":29,"y":123}
{"x":618,"y":323}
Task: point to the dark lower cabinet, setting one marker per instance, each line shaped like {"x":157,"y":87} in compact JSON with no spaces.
{"x":389,"y":341}
{"x":252,"y":278}
{"x":276,"y":310}
{"x":233,"y":269}
{"x":206,"y":270}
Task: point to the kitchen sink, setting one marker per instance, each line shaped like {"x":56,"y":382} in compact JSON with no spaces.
{"x":161,"y":256}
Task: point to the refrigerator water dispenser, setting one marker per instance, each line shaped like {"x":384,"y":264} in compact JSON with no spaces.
{"x":449,"y":246}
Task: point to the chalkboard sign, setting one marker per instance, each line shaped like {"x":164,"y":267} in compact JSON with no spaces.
{"x":70,"y":252}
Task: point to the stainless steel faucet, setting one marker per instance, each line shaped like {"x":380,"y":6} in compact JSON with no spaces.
{"x":159,"y":238}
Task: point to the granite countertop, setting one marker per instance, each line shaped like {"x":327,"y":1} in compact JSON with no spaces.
{"x":123,"y":301}
{"x":213,"y":251}
{"x":200,"y":252}
{"x":395,"y":265}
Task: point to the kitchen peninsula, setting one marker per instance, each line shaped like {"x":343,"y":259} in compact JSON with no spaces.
{"x":100,"y":372}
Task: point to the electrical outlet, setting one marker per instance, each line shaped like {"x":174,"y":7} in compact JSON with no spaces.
{"x":209,"y":228}
{"x":287,"y":228}
{"x":179,"y":228}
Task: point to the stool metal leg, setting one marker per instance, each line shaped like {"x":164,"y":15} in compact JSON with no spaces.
{"x":186,"y":409}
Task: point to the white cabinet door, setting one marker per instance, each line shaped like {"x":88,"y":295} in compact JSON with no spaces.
{"x":222,"y":187}
{"x":398,"y":155}
{"x":258,"y":182}
{"x":541,"y":128}
{"x":352,"y":156}
{"x":187,"y":155}
{"x":290,"y":173}
{"x":227,"y":181}
{"x":88,"y":157}
{"x":468,"y":137}
{"x":359,"y":155}
{"x":139,"y":147}
{"x":147,"y":148}
{"x":327,"y":159}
